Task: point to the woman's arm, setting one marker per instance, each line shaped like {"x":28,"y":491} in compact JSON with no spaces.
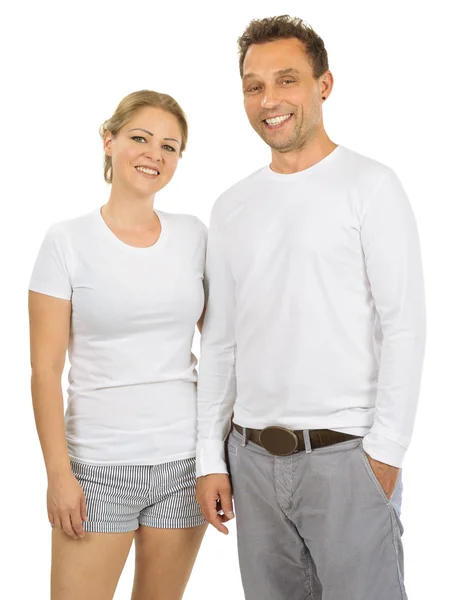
{"x":49,"y":336}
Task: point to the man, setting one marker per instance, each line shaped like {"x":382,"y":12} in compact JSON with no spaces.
{"x":314,"y":336}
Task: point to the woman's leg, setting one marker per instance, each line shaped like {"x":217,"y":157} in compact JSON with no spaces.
{"x":171,"y":530}
{"x":164,"y":561}
{"x":88,"y":568}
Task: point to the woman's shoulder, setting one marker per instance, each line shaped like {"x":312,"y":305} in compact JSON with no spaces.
{"x":184,"y":223}
{"x":64,"y":233}
{"x":80,"y":223}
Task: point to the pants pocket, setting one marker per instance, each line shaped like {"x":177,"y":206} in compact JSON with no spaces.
{"x":232,"y":449}
{"x":373,"y":478}
{"x":231,"y":456}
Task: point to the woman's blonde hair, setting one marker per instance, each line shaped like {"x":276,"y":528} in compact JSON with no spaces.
{"x":126,"y":109}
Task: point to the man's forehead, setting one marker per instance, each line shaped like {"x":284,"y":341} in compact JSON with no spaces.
{"x":275,"y":57}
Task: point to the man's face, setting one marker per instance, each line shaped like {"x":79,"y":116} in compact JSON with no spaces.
{"x":282,"y":98}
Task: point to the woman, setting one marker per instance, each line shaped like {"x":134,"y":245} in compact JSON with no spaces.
{"x":122,"y":288}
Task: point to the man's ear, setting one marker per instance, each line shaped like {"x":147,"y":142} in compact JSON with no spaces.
{"x":326,"y":84}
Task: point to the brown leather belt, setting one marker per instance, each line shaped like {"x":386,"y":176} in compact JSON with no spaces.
{"x":282,"y":442}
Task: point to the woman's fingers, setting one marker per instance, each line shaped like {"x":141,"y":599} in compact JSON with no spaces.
{"x":67,"y":525}
{"x":57,"y":522}
{"x":77,"y":522}
{"x":84,"y":516}
{"x":66,"y":505}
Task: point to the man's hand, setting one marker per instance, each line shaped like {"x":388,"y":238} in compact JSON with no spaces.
{"x":214,"y":495}
{"x":387,"y":475}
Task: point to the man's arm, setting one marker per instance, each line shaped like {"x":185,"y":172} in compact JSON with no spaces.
{"x":217,"y":380}
{"x":392,"y":255}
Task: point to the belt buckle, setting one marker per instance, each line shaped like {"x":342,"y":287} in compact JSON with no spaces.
{"x":279,"y":441}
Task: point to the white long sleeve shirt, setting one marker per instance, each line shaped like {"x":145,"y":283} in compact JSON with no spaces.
{"x":316,"y":313}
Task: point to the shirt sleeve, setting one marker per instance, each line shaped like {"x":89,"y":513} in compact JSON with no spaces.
{"x":217,"y":379}
{"x":50,"y":274}
{"x":203,"y":231}
{"x":391,"y":249}
{"x":204,"y":239}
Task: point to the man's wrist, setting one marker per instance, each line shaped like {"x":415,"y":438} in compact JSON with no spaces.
{"x":384,"y":450}
{"x":210,"y":457}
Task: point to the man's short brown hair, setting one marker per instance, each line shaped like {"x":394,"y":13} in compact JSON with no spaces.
{"x":271,"y":29}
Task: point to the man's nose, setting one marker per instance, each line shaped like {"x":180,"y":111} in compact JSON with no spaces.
{"x":270,"y":98}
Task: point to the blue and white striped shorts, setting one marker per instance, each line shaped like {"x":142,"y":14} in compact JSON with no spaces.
{"x":119,"y":498}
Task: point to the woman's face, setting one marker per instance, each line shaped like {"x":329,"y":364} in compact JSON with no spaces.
{"x":145,"y":151}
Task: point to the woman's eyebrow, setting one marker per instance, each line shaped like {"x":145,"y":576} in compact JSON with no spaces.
{"x":150,"y":133}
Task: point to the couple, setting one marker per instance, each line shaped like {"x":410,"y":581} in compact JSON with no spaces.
{"x":312,"y":348}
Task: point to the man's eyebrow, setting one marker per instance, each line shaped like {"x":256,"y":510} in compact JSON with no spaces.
{"x":286,"y":71}
{"x":150,"y":133}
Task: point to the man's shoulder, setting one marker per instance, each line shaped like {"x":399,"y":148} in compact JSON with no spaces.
{"x":238,"y":192}
{"x":360,"y":166}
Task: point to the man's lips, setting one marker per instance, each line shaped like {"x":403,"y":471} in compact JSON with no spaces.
{"x":277,"y":121}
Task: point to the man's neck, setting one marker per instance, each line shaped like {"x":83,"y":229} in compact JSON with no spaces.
{"x":302,"y":158}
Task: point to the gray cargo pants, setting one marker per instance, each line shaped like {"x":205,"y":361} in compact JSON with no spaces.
{"x":315,"y":525}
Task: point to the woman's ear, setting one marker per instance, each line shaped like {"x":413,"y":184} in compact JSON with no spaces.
{"x":107,"y":143}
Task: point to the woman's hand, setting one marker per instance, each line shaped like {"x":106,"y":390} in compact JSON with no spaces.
{"x":66,"y":504}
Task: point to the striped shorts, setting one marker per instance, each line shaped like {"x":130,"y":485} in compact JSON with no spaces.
{"x":120,"y":498}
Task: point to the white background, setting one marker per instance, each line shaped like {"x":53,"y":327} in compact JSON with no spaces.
{"x":66,"y":67}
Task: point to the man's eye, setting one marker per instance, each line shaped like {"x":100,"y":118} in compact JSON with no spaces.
{"x":138,"y":138}
{"x":254,"y":88}
{"x":287,"y":81}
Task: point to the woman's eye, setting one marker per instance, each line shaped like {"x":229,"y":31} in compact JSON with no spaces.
{"x":138,"y":138}
{"x":169,"y":148}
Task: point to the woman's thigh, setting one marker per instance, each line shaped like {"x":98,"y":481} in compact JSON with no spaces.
{"x":164,"y":561}
{"x":89,"y":567}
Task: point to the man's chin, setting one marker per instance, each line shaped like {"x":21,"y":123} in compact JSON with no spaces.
{"x":281,"y":146}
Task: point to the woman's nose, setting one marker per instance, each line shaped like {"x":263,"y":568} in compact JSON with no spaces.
{"x":153,"y":152}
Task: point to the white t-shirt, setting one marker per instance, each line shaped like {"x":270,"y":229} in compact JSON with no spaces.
{"x":132,"y":392}
{"x":315,"y":316}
